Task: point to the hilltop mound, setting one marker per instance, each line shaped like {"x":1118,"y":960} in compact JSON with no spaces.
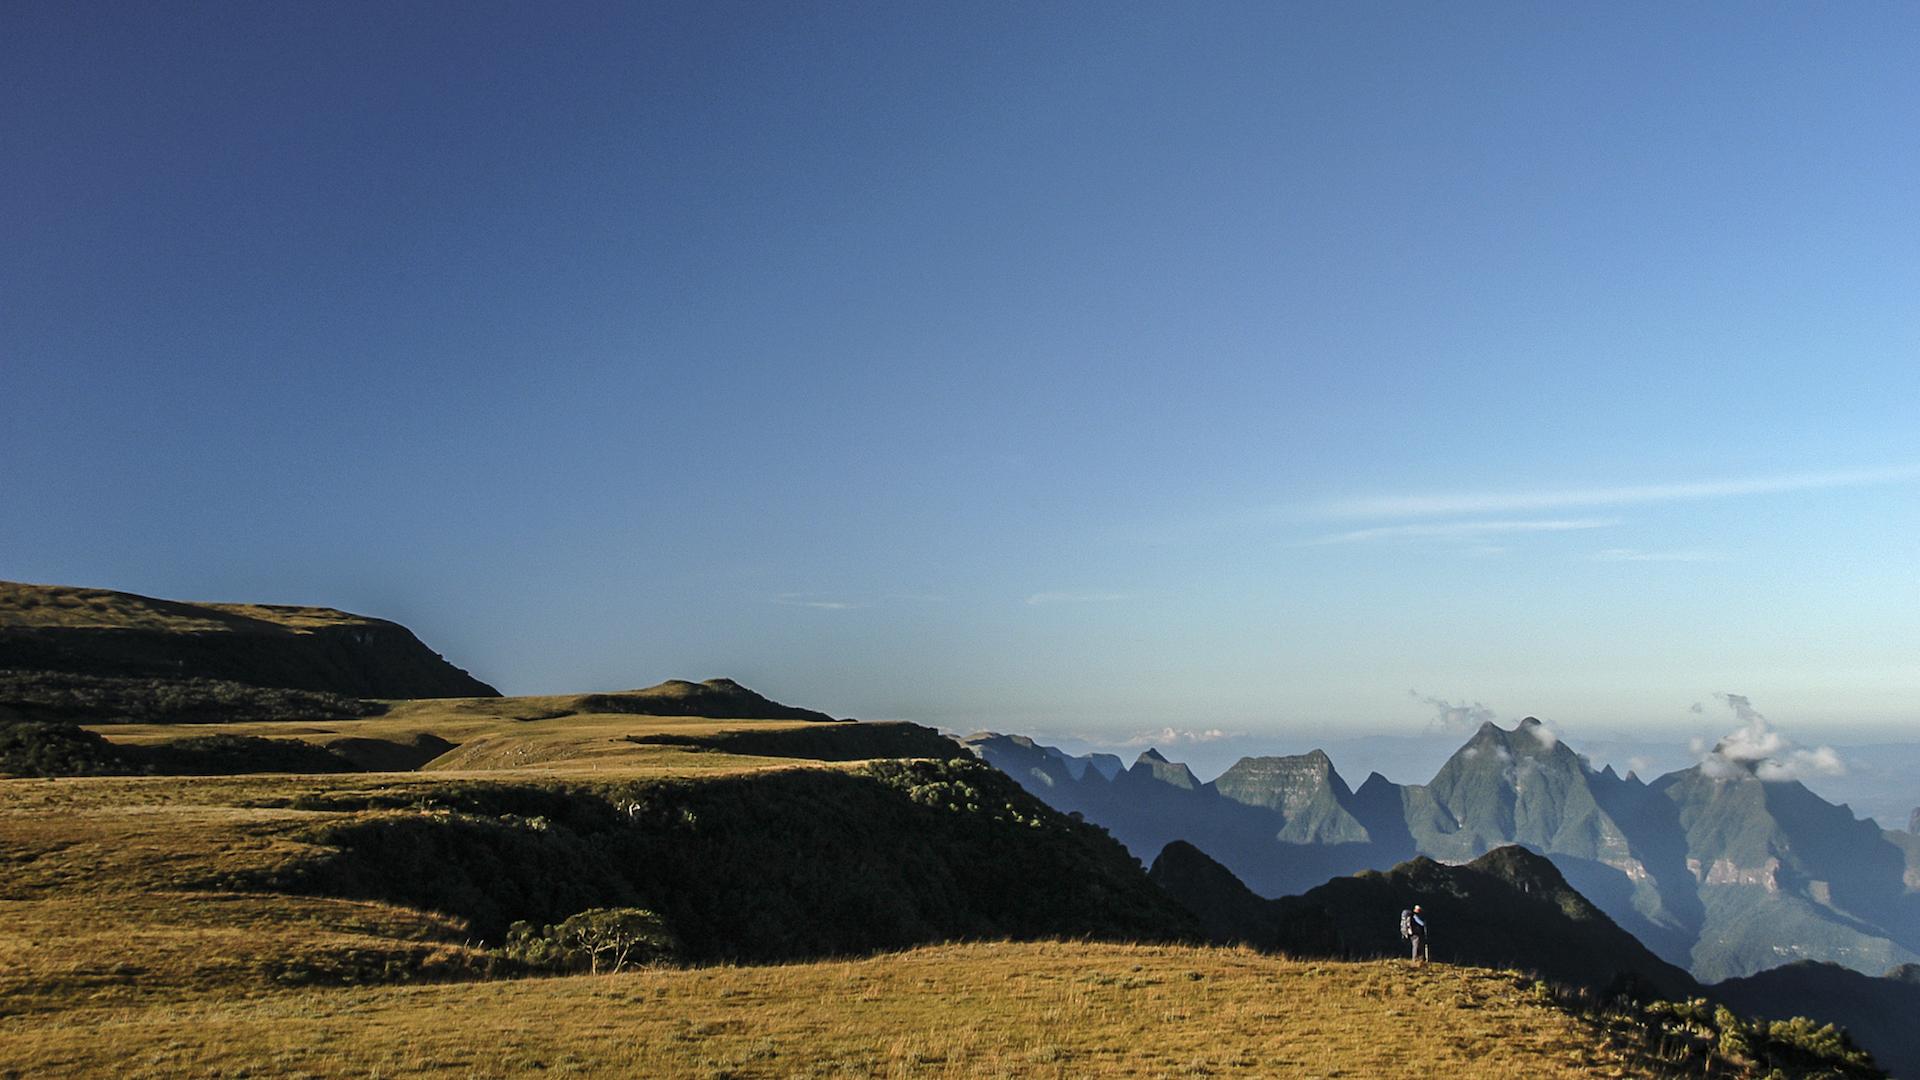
{"x":1510,"y":908}
{"x":124,"y":636}
{"x":718,"y":699}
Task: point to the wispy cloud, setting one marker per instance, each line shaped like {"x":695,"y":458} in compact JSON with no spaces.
{"x":1636,"y":555}
{"x":1459,"y":530}
{"x":1040,"y":598}
{"x":815,"y":601}
{"x":1435,"y":505}
{"x":1451,"y":718}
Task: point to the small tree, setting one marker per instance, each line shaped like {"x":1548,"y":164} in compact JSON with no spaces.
{"x":597,"y":937}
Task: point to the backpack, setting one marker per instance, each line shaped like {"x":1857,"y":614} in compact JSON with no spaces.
{"x":1406,"y":924}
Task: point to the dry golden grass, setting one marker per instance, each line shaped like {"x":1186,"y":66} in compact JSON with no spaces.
{"x":109,"y":885}
{"x":542,"y":734}
{"x":1046,"y":1010}
{"x":22,"y":604}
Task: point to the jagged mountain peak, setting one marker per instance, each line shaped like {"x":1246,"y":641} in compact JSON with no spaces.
{"x":1152,"y":765}
{"x":1374,"y":784}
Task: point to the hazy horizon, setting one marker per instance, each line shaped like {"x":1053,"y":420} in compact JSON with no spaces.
{"x":1088,"y":369}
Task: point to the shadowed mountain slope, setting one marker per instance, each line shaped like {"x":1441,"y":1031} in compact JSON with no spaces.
{"x":1509,"y":908}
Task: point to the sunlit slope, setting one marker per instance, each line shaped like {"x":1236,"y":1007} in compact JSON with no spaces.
{"x":103,"y":634}
{"x":1007,"y":1009}
{"x":814,"y":838}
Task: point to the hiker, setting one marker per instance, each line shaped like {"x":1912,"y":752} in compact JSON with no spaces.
{"x":1413,"y":928}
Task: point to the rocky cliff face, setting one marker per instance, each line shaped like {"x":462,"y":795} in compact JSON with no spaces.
{"x":101,"y":633}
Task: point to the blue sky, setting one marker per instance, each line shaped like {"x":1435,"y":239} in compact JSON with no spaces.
{"x":1074,"y":368}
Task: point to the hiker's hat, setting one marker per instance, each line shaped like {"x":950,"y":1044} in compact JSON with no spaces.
{"x":1416,"y":908}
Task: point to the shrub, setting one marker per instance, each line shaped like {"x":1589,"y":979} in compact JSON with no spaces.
{"x":50,"y":748}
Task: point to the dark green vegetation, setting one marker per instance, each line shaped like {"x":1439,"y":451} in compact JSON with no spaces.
{"x":1713,"y":1040}
{"x":1721,"y":874}
{"x":764,"y":866}
{"x":1883,"y":1014}
{"x":1509,"y":908}
{"x":817,"y":744}
{"x":50,"y":748}
{"x":96,"y":699}
{"x":97,"y":632}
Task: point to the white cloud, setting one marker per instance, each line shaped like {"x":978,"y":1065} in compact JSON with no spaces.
{"x":1548,"y":737}
{"x":1460,"y":530}
{"x":1169,"y":736}
{"x":1756,"y":748}
{"x":1461,"y":719}
{"x":1433,"y":505}
{"x":1040,"y":598}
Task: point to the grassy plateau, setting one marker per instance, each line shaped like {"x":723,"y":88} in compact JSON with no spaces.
{"x":841,"y":903}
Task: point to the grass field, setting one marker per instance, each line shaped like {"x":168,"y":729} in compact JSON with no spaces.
{"x":136,"y":946}
{"x":1047,"y":1009}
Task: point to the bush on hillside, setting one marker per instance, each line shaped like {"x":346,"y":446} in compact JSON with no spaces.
{"x":756,"y":867}
{"x":55,"y":748}
{"x":95,"y":699}
{"x":226,"y":755}
{"x":48,"y":748}
{"x":1721,"y":1042}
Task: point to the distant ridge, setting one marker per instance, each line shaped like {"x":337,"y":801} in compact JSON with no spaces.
{"x":1509,"y":908}
{"x":108,"y":634}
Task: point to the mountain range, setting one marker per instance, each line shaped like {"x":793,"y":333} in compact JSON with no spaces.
{"x":1717,"y":870}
